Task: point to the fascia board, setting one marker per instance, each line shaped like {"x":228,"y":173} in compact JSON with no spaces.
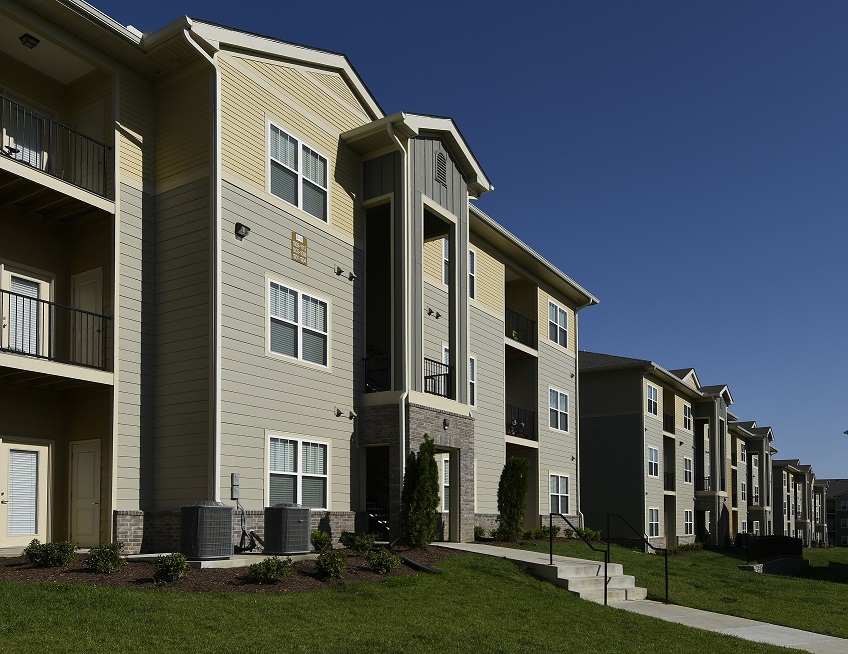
{"x":97,"y":16}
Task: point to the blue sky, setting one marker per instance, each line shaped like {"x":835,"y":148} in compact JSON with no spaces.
{"x":686,"y":162}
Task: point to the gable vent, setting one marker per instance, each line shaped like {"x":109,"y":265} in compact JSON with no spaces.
{"x":442,"y":169}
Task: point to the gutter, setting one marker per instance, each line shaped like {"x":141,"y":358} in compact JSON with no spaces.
{"x":215,"y":454}
{"x":577,"y":404}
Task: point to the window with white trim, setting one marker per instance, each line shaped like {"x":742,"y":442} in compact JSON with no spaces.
{"x":653,"y":400}
{"x":297,"y":472}
{"x":742,"y":452}
{"x":472,"y":274}
{"x":757,"y":527}
{"x":445,"y":261}
{"x":559,"y":494}
{"x":446,"y":485}
{"x":755,"y":460}
{"x":744,"y":528}
{"x":653,"y":462}
{"x":687,"y":417}
{"x":558,"y":410}
{"x":557,"y":324}
{"x":653,"y":522}
{"x":687,"y":470}
{"x":744,"y":487}
{"x":297,"y":324}
{"x":843,"y":523}
{"x":689,"y":523}
{"x":843,"y":505}
{"x":472,"y":381}
{"x":756,"y":494}
{"x":298,"y":174}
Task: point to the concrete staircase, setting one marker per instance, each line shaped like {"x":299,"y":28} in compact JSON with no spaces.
{"x":586,"y":579}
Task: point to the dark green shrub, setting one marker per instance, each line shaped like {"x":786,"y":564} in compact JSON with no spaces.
{"x":347,"y":538}
{"x":589,"y":534}
{"x":479,"y":532}
{"x":50,"y":555}
{"x":321,"y":541}
{"x":512,"y":498}
{"x":331,"y":563}
{"x":544,"y":532}
{"x":171,"y":567}
{"x":106,"y":559}
{"x":690,"y":547}
{"x":363,"y":543}
{"x":420,"y":496}
{"x":269,"y":571}
{"x":383,"y":561}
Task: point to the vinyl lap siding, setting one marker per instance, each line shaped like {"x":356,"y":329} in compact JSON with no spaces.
{"x":136,"y":132}
{"x":436,"y":330}
{"x":490,"y":281}
{"x":433,"y":258}
{"x":543,"y":318}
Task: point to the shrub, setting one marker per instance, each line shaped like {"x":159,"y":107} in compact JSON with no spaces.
{"x":106,"y":559}
{"x":347,"y":538}
{"x":690,"y":547}
{"x":544,"y":532}
{"x":331,"y":563}
{"x":321,"y":541}
{"x":50,"y":555}
{"x":420,"y":496}
{"x":479,"y":532}
{"x":383,"y":561}
{"x":170,"y":567}
{"x":363,"y":543}
{"x":269,"y":571}
{"x":512,"y":498}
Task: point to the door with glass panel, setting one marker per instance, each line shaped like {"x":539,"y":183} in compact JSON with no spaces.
{"x":23,"y":493}
{"x":24,"y":314}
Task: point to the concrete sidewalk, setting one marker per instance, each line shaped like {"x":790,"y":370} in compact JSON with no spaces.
{"x":752,"y":630}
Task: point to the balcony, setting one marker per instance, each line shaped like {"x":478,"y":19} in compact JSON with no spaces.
{"x":668,"y":481}
{"x":704,"y":484}
{"x":520,"y":328}
{"x":46,"y":330}
{"x":668,"y":423}
{"x":35,"y":140}
{"x":438,"y":378}
{"x":378,"y":372}
{"x":520,"y":422}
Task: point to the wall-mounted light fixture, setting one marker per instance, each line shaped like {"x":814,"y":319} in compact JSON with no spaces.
{"x":351,"y":414}
{"x":351,"y":275}
{"x":338,"y":412}
{"x":242,"y":230}
{"x":29,"y":40}
{"x":445,"y":424}
{"x":339,"y":270}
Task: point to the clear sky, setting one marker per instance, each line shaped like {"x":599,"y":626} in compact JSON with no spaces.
{"x":686,"y":162}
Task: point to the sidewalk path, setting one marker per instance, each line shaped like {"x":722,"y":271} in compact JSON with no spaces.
{"x":753,"y":630}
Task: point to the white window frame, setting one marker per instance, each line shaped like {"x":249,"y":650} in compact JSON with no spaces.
{"x":652,"y":393}
{"x":744,"y":494}
{"x":756,"y":527}
{"x":843,"y":523}
{"x":742,"y":453}
{"x":756,"y":494}
{"x":653,"y":522}
{"x":301,"y":178}
{"x":843,"y":505}
{"x":559,"y":494}
{"x":653,"y":462}
{"x":445,"y":261}
{"x":561,"y":330}
{"x":472,"y":380}
{"x":298,"y":323}
{"x":687,"y":470}
{"x":446,"y":485}
{"x":743,"y":529}
{"x":755,"y":460}
{"x":559,"y":411}
{"x":687,"y":416}
{"x":299,"y":474}
{"x":688,"y":522}
{"x":472,"y":274}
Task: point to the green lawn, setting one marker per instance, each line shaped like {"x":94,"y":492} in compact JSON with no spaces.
{"x":710,"y":580}
{"x":479,"y":604}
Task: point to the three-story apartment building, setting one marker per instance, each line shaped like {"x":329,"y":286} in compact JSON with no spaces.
{"x":754,"y":452}
{"x":836,"y":511}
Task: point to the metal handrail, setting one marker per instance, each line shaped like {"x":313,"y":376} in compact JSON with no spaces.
{"x":644,"y":539}
{"x":605,"y":552}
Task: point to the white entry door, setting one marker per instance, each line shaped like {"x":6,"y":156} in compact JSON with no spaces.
{"x":23,"y":493}
{"x":87,"y":289}
{"x":85,"y":493}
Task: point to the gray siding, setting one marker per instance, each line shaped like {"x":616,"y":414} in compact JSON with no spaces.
{"x":435,"y":330}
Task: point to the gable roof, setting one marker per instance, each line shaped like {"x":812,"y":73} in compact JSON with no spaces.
{"x":835,"y":487}
{"x":688,"y":375}
{"x":718,"y":389}
{"x":595,"y":362}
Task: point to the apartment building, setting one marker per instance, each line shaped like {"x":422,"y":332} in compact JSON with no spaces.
{"x":793,"y":494}
{"x":818,"y":514}
{"x":836,"y":511}
{"x":752,"y":465}
{"x":228,"y":259}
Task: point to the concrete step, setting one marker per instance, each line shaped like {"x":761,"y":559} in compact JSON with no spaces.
{"x":578,"y":584}
{"x":614,"y":594}
{"x":587,"y":581}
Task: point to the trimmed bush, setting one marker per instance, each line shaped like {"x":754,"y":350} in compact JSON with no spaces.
{"x":479,"y":532}
{"x":50,"y":555}
{"x":321,"y":541}
{"x":331,"y":563}
{"x":383,"y":561}
{"x":170,"y":567}
{"x":363,"y":543}
{"x":589,"y":534}
{"x":347,"y":539}
{"x":512,"y":498}
{"x":106,"y":559}
{"x":269,"y":571}
{"x":420,"y":496}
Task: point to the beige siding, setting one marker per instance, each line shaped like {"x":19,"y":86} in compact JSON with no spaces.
{"x":651,"y":416}
{"x":679,"y":403}
{"x":433,"y":252}
{"x":490,"y":281}
{"x":136,"y":132}
{"x":544,"y":298}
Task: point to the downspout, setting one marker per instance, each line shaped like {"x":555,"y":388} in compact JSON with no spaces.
{"x":216,"y":239}
{"x":405,"y":361}
{"x":577,"y":407}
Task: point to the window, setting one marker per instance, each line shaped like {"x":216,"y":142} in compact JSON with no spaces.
{"x":687,"y":470}
{"x":843,"y":505}
{"x":559,"y":494}
{"x":843,"y":523}
{"x":559,"y":410}
{"x":298,"y":174}
{"x":298,"y":324}
{"x":689,"y":523}
{"x":744,"y":488}
{"x":653,"y":400}
{"x":742,"y":452}
{"x":757,"y":527}
{"x":472,"y":274}
{"x":744,"y":528}
{"x":653,"y":462}
{"x":557,"y":324}
{"x":445,"y":261}
{"x":298,"y":472}
{"x":755,"y":460}
{"x":653,"y":522}
{"x":687,"y":417}
{"x":446,"y":485}
{"x":756,"y":494}
{"x":472,"y":381}
{"x":844,"y":539}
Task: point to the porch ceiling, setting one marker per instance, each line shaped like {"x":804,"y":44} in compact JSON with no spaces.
{"x":29,"y":198}
{"x":40,"y":380}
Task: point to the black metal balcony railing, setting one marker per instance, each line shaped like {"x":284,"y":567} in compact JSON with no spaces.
{"x":520,"y":328}
{"x":51,"y":331}
{"x":38,"y":141}
{"x":668,"y":481}
{"x":438,"y":378}
{"x":703,"y":484}
{"x":668,"y":423}
{"x":520,"y":422}
{"x":378,"y":373}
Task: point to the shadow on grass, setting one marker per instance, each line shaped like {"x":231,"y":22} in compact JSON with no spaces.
{"x":834,"y":572}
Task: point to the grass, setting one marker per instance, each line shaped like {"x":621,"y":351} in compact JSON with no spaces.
{"x":711,"y":580}
{"x":479,"y":604}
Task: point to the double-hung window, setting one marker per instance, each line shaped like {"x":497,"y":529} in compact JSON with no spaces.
{"x":557,"y":324}
{"x":755,"y":460}
{"x":559,"y":494}
{"x":446,"y":485}
{"x":744,"y":488}
{"x":742,"y":452}
{"x":757,"y":527}
{"x":689,"y":523}
{"x":843,"y":505}
{"x":687,"y":417}
{"x":653,"y":522}
{"x":298,"y":324}
{"x":472,"y":381}
{"x":843,"y":523}
{"x":445,"y":261}
{"x":744,"y":528}
{"x":298,"y":174}
{"x":653,"y":462}
{"x":472,"y":274}
{"x":298,"y":472}
{"x":558,"y":410}
{"x":653,"y":400}
{"x":756,"y":494}
{"x":687,"y":470}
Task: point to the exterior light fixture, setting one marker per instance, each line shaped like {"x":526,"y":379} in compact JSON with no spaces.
{"x":351,"y":275}
{"x":242,"y":230}
{"x":445,"y":424}
{"x":29,"y":40}
{"x":351,"y":414}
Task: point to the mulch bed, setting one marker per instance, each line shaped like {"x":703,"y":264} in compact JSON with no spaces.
{"x":140,"y":575}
